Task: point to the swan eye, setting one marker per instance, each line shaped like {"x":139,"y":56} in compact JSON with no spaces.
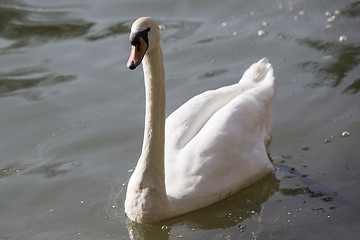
{"x":140,"y":43}
{"x":135,"y":38}
{"x":138,"y":46}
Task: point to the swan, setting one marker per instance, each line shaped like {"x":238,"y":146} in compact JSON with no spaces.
{"x":208,"y":149}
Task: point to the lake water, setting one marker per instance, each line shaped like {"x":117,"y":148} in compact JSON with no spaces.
{"x":72,"y":114}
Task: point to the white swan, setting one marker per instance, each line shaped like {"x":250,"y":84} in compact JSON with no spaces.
{"x":211,"y":147}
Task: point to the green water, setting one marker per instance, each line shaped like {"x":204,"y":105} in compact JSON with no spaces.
{"x":72,"y":114}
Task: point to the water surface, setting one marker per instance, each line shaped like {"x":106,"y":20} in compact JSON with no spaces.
{"x":71,"y":115}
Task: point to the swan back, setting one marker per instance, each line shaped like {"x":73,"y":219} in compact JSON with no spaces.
{"x":187,"y":121}
{"x":215,"y":144}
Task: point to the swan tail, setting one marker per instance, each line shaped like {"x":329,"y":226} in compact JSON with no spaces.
{"x":259,"y":81}
{"x":256,"y":72}
{"x":259,"y":77}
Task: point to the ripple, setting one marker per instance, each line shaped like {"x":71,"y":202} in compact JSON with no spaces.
{"x":29,"y":24}
{"x":51,"y":170}
{"x":353,"y":10}
{"x":213,"y":73}
{"x":345,"y":59}
{"x":110,"y":31}
{"x":176,"y":30}
{"x":30,"y":77}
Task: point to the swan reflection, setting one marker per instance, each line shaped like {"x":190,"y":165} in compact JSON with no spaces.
{"x":225,"y":214}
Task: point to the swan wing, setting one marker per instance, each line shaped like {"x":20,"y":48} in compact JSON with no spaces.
{"x":225,"y":149}
{"x":186,"y":122}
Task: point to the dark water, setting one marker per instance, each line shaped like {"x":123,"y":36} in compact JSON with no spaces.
{"x":71,"y":115}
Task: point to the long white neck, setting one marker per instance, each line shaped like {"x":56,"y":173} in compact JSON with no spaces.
{"x":146,"y":199}
{"x":154,"y":132}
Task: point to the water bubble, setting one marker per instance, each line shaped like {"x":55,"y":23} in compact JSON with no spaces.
{"x":301,"y":13}
{"x":261,"y":33}
{"x":264,"y":23}
{"x":345,"y":134}
{"x":242,"y":228}
{"x":305,"y":148}
{"x":327,"y":57}
{"x":224,"y":24}
{"x":328,"y":26}
{"x":343,"y":38}
{"x":281,"y":36}
{"x":331,"y":19}
{"x":164,"y":227}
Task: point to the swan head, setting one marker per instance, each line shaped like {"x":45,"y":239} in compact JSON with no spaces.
{"x":144,"y":37}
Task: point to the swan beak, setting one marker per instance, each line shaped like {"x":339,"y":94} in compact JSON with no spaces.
{"x":137,"y":54}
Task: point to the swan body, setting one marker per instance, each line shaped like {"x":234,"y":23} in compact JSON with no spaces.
{"x":209,"y":148}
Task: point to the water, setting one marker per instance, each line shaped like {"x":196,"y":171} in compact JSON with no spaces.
{"x":72,"y":115}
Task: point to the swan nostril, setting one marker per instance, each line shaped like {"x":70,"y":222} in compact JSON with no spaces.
{"x":132,"y":65}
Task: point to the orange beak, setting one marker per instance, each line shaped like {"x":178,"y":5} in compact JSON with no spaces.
{"x":137,"y":54}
